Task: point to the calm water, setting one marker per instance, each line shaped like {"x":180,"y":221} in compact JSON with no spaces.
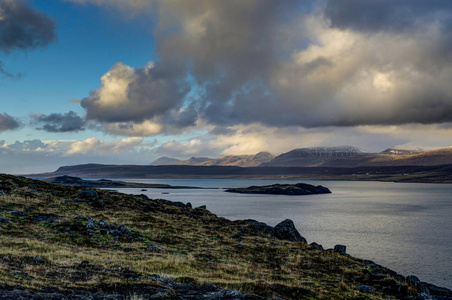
{"x":406,"y":227}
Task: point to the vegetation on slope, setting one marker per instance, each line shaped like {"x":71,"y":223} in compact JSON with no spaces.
{"x":63,"y":238}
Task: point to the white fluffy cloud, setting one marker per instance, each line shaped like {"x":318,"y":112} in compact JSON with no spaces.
{"x":95,"y":145}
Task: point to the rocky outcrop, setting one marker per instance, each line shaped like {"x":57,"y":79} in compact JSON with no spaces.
{"x":286,"y":231}
{"x":283,"y":231}
{"x":283,"y":189}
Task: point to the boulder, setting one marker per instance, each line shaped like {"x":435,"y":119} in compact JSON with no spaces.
{"x":341,"y":249}
{"x":316,"y":246}
{"x":88,"y":194}
{"x":286,"y":231}
{"x":4,"y":221}
{"x":364,"y":289}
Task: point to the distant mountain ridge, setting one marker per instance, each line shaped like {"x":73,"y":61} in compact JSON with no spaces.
{"x":335,"y":157}
{"x":164,"y":161}
{"x":351,"y":157}
{"x":312,"y":157}
{"x":230,"y":160}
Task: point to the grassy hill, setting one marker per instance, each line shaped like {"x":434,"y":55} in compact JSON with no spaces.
{"x":62,"y":242}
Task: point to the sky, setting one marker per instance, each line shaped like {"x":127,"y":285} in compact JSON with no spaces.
{"x":128,"y":81}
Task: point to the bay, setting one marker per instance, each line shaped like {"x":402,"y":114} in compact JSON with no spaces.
{"x":405,"y":227}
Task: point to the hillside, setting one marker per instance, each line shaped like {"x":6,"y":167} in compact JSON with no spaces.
{"x":312,"y":157}
{"x":164,"y":161}
{"x":63,"y":242}
{"x":349,"y":157}
{"x":231,"y":160}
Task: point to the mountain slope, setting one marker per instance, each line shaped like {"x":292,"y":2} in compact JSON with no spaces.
{"x":231,"y":160}
{"x":164,"y":161}
{"x":312,"y":157}
{"x":350,"y":157}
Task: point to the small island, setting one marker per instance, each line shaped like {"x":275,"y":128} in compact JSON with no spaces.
{"x":283,"y":189}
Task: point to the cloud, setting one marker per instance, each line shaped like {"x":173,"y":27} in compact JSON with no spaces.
{"x":387,"y":15}
{"x":8,"y":123}
{"x":283,"y":64}
{"x":31,"y":156}
{"x":22,"y":27}
{"x":95,"y":145}
{"x":129,"y":94}
{"x":58,"y":122}
{"x":28,"y":145}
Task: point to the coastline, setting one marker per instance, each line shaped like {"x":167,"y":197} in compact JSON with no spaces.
{"x":254,"y":237}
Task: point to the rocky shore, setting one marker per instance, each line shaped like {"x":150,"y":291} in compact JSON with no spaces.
{"x":63,"y":242}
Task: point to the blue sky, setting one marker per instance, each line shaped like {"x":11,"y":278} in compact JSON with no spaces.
{"x":127,"y":81}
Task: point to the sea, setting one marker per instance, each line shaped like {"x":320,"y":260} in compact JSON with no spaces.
{"x":406,"y":227}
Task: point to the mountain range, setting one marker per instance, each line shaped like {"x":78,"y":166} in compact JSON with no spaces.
{"x":338,"y":157}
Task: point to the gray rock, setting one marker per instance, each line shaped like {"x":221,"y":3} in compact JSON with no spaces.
{"x":316,"y":246}
{"x":88,"y":194}
{"x":38,"y":260}
{"x":159,"y":295}
{"x":286,"y":231}
{"x":19,"y":213}
{"x":364,"y":289}
{"x":4,"y":221}
{"x":341,"y":249}
{"x":412,"y":280}
{"x":2,"y":193}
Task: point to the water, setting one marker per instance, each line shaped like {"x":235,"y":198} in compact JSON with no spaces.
{"x":405,"y":227}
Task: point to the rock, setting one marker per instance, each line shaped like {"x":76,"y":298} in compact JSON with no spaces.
{"x":286,"y":231}
{"x":2,"y":194}
{"x":364,"y":289}
{"x":412,"y":280}
{"x":38,"y":260}
{"x":202,"y":207}
{"x":4,"y":221}
{"x":19,"y":213}
{"x":423,"y":296}
{"x":159,"y":295}
{"x":188,"y":205}
{"x":437,"y":291}
{"x":44,"y":218}
{"x":88,"y":194}
{"x":341,"y":249}
{"x":66,"y":202}
{"x":316,"y":246}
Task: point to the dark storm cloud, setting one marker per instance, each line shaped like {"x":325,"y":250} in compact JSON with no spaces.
{"x":22,"y":27}
{"x":386,"y":15}
{"x":135,"y":94}
{"x":57,"y":122}
{"x":279,"y":64}
{"x":8,"y":123}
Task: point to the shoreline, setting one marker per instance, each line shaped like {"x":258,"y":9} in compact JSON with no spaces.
{"x":78,"y":223}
